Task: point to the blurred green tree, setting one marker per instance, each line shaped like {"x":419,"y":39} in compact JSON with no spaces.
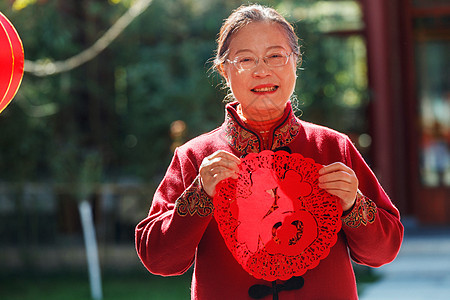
{"x":122,"y":103}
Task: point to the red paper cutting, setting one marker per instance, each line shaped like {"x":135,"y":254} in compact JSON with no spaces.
{"x":11,"y":62}
{"x":274,"y":218}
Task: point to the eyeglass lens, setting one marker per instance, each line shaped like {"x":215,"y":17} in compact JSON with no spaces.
{"x":248,"y":62}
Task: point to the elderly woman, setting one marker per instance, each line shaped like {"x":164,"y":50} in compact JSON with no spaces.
{"x":258,"y":55}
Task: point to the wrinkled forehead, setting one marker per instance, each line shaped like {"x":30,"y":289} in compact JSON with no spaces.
{"x":259,"y":37}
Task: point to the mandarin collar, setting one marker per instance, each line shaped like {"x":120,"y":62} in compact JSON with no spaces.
{"x":245,"y":140}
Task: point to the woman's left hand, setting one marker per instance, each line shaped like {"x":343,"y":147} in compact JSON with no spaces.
{"x":341,"y":181}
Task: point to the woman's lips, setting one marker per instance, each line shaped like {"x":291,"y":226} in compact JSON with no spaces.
{"x":266,"y":88}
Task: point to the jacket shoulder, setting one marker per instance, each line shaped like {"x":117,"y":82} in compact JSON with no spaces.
{"x":314,"y":131}
{"x":203,"y":145}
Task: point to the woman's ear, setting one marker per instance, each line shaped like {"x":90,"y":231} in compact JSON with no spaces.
{"x":222,"y":70}
{"x":224,"y":73}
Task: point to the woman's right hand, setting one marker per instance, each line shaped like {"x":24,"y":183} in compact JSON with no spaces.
{"x":218,"y":166}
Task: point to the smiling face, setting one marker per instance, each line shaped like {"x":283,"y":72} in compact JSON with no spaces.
{"x":262,"y":91}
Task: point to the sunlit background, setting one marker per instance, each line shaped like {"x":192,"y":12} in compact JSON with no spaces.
{"x":96,"y":120}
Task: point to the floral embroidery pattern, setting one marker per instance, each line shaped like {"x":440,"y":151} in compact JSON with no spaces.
{"x":239,"y":138}
{"x":364,"y":212}
{"x":286,"y":133}
{"x":246,"y":141}
{"x":194,"y":200}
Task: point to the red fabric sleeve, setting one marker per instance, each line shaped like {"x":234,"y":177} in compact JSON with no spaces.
{"x":373,"y":229}
{"x":166,"y":241}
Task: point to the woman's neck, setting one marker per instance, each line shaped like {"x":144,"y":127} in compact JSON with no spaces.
{"x":268,"y":116}
{"x":259,"y":126}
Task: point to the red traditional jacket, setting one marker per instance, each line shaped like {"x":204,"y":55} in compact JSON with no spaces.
{"x":180,"y":229}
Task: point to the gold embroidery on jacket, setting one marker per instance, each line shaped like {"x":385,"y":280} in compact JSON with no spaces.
{"x":286,"y":133}
{"x":364,"y":212}
{"x":194,"y":200}
{"x":239,"y":138}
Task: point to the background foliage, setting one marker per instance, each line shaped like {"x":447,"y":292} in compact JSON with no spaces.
{"x":122,"y":103}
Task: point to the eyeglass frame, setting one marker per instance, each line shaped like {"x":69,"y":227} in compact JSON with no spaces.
{"x":234,"y":61}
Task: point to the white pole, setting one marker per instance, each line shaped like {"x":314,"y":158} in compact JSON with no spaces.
{"x":90,"y":242}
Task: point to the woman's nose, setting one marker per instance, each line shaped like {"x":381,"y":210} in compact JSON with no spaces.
{"x":261,"y":69}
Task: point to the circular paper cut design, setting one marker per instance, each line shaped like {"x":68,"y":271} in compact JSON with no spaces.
{"x":274,"y":218}
{"x":11,"y":62}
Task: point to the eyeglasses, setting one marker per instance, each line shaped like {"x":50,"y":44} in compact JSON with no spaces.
{"x":250,"y":61}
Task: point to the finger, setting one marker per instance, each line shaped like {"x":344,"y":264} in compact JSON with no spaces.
{"x":218,"y":172}
{"x":337,"y":176}
{"x":221,"y":159}
{"x":337,"y":186}
{"x":223,"y":163}
{"x":210,"y":182}
{"x":221,"y":169}
{"x":226,"y":155}
{"x":343,"y":194}
{"x":213,"y":173}
{"x":224,"y":175}
{"x":334,"y":167}
{"x":347,"y":197}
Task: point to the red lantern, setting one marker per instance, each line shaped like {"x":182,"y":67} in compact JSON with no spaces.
{"x":11,"y":62}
